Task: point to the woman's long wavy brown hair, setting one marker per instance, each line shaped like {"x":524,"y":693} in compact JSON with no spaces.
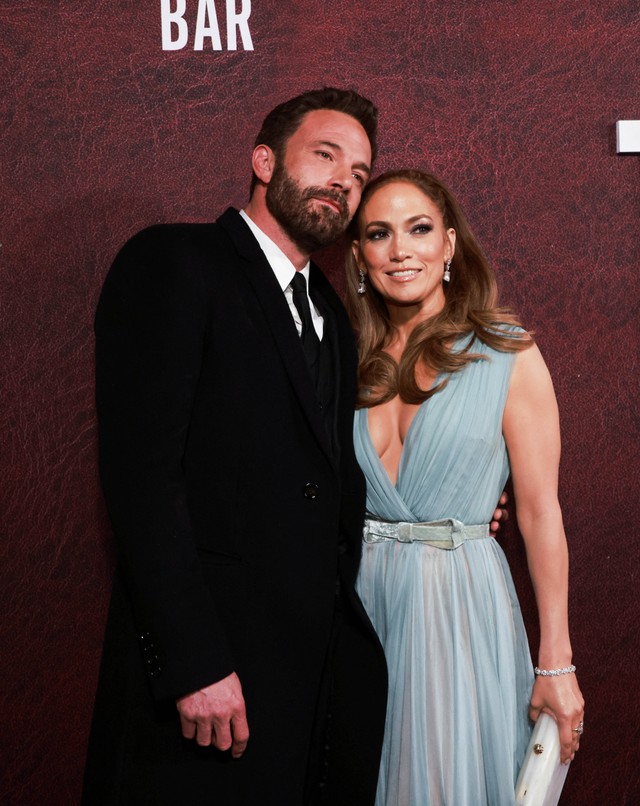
{"x":471,"y":299}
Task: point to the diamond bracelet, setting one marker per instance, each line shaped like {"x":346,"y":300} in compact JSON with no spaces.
{"x":554,"y":672}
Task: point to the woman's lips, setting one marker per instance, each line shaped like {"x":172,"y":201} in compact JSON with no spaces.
{"x":403,"y":274}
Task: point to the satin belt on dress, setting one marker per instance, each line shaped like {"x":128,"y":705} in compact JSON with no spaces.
{"x":446,"y":534}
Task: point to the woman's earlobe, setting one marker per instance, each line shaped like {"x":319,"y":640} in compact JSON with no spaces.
{"x":451,"y":233}
{"x":355,"y":251}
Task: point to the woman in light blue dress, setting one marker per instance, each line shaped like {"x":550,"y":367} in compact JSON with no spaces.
{"x":454,"y":395}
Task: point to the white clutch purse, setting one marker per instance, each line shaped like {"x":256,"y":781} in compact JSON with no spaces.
{"x":542,"y":775}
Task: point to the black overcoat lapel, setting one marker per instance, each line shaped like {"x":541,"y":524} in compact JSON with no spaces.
{"x":278,"y":316}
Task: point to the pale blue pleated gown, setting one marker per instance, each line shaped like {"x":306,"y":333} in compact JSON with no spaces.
{"x":460,"y":672}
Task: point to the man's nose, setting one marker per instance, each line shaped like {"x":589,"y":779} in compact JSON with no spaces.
{"x":342,"y":179}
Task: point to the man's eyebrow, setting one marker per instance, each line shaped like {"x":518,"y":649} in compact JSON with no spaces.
{"x":360,"y":166}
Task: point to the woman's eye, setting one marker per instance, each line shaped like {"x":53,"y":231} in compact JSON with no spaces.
{"x":377,"y":235}
{"x":422,"y":229}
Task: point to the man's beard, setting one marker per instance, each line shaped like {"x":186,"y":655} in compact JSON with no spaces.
{"x":310,"y":226}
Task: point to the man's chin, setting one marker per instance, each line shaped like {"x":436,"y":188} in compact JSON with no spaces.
{"x":327,"y":207}
{"x":320,"y":226}
{"x":328,"y":223}
{"x":327,"y":236}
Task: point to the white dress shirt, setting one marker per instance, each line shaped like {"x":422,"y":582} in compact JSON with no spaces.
{"x":285,"y":271}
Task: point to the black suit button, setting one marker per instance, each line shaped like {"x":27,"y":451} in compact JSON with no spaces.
{"x":311,"y":490}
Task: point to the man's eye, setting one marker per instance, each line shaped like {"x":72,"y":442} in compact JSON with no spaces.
{"x":324,"y":154}
{"x":359,"y":179}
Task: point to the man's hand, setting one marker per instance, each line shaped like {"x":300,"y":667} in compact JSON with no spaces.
{"x":500,"y":516}
{"x":216,"y":715}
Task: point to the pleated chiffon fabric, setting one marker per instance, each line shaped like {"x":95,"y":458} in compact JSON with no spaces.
{"x":460,"y":672}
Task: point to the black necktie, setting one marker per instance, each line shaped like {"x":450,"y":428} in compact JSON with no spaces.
{"x":308,"y":337}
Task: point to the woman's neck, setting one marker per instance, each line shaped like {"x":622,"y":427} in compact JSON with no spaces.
{"x":404,"y":319}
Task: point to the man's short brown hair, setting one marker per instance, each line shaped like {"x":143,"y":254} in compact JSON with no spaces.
{"x":284,"y":120}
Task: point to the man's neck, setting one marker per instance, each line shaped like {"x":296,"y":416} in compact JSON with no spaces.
{"x":258,"y":212}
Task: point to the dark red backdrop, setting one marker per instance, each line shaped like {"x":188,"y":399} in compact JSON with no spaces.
{"x":103,"y":133}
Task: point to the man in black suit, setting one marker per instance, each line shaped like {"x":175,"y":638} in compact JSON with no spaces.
{"x":239,"y":667}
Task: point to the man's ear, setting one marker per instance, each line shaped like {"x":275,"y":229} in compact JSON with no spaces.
{"x":263,"y":162}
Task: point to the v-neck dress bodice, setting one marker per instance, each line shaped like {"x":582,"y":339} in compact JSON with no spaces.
{"x":460,"y":673}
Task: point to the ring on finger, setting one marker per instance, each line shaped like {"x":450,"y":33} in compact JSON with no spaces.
{"x":580,"y":729}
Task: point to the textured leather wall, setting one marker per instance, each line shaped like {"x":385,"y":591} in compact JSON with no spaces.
{"x":103,"y":133}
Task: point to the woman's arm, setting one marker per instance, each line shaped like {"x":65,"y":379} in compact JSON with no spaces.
{"x":532,"y":433}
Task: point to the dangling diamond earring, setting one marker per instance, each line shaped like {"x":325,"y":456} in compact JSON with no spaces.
{"x":447,"y":271}
{"x":361,"y":286}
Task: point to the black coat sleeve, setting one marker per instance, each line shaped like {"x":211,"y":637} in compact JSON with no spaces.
{"x":150,"y":328}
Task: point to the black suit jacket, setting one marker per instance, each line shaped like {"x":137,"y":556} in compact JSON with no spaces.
{"x":233,"y":515}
